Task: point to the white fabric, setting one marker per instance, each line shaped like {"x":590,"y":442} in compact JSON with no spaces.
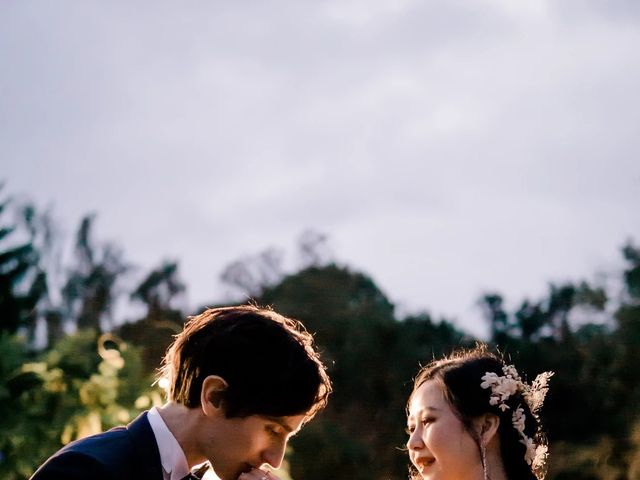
{"x":173,"y":459}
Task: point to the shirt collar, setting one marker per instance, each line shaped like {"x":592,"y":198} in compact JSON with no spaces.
{"x":173,"y":459}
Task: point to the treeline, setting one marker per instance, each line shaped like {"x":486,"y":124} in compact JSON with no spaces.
{"x":68,"y":367}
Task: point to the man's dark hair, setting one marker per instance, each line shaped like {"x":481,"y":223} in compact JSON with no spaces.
{"x":267,"y":360}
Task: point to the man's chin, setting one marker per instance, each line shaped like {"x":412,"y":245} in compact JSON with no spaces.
{"x":233,"y":475}
{"x":226,"y":476}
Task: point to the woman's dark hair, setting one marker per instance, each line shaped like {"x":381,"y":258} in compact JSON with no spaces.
{"x":460,"y":376}
{"x":267,"y":360}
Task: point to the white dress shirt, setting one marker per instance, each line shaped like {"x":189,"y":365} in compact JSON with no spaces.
{"x":173,"y":459}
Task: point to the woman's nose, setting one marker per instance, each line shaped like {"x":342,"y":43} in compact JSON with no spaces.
{"x":415,"y":440}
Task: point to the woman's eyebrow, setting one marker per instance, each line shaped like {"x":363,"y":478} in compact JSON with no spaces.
{"x":425,"y":409}
{"x":432,"y":409}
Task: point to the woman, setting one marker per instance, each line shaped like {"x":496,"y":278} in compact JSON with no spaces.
{"x":471,"y":417}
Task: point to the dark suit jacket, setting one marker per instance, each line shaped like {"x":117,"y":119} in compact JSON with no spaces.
{"x":123,"y":453}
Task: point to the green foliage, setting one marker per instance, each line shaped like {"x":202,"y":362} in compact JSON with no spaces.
{"x":21,"y":282}
{"x":592,"y":412}
{"x":159,"y":288}
{"x":632,"y":274}
{"x":89,"y":291}
{"x":77,"y":388}
{"x":154,"y":332}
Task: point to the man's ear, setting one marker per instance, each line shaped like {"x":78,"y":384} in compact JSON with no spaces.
{"x":212,"y":394}
{"x":487,"y":427}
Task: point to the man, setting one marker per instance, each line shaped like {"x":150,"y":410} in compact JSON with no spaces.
{"x":242,"y":380}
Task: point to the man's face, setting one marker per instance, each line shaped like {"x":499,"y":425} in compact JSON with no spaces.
{"x":242,"y":444}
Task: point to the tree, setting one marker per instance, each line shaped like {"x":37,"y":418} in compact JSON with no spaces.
{"x":251,"y":275}
{"x":371,"y":357}
{"x":89,"y":292}
{"x":497,"y":317}
{"x":154,"y":332}
{"x":313,"y":249}
{"x":159,"y":288}
{"x":22,"y":283}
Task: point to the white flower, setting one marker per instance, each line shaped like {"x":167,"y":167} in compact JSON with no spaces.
{"x":541,"y":456}
{"x":518,"y":419}
{"x":489,"y":380}
{"x":538,"y":390}
{"x":530,"y":454}
{"x":510,"y":371}
{"x":506,"y":387}
{"x":502,"y":388}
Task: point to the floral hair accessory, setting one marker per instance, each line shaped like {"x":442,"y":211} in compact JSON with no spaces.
{"x":503,"y":387}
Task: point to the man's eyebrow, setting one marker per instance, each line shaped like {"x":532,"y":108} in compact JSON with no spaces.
{"x":280,"y":422}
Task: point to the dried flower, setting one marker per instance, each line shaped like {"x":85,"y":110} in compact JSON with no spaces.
{"x":517,"y":419}
{"x":502,"y":388}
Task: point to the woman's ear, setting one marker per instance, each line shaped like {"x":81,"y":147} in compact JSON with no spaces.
{"x":212,"y":394}
{"x":487,"y":427}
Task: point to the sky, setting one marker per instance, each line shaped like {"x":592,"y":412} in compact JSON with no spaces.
{"x":445,"y":148}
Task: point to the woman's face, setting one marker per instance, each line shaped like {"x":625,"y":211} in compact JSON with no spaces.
{"x":439,"y":445}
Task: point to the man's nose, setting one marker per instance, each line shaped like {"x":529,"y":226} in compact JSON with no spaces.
{"x":275,"y":454}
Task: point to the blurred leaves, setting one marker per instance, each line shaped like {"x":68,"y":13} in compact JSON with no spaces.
{"x":65,"y":393}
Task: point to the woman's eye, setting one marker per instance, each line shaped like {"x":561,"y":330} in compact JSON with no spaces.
{"x":273,"y":430}
{"x":428,"y":420}
{"x":409,"y":430}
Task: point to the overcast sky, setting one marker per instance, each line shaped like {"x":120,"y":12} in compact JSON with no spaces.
{"x":446,"y":148}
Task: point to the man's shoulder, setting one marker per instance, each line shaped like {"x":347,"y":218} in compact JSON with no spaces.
{"x":102,"y":444}
{"x":112,"y":446}
{"x":106,"y":455}
{"x":73,"y":464}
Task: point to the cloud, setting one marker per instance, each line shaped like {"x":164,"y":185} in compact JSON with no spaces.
{"x":438,"y":144}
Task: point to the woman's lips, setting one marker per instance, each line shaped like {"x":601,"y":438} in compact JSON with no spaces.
{"x":424,"y":463}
